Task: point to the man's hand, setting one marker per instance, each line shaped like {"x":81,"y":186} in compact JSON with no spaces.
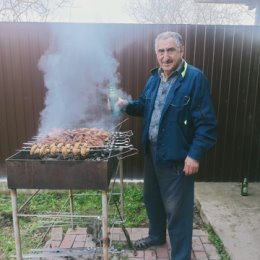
{"x":121,"y":103}
{"x":191,"y":166}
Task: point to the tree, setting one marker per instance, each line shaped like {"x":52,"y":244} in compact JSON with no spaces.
{"x":187,"y":11}
{"x":29,"y":10}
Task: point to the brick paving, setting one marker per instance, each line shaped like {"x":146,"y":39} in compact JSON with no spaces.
{"x":202,"y":248}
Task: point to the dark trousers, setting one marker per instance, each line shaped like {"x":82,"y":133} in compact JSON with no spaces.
{"x":169,"y":199}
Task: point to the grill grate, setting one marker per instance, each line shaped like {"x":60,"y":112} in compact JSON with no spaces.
{"x":119,"y":143}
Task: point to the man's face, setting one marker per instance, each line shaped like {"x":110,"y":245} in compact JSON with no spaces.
{"x":169,"y":55}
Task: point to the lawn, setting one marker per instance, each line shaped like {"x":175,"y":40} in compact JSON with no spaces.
{"x":34,"y":230}
{"x":87,"y":202}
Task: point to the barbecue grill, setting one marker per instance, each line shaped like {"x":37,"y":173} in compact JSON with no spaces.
{"x":26,"y":171}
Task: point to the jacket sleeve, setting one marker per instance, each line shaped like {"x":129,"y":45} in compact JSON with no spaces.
{"x":204,"y":119}
{"x":136,"y":107}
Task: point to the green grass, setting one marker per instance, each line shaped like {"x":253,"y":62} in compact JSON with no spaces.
{"x":215,"y":240}
{"x":86,"y":202}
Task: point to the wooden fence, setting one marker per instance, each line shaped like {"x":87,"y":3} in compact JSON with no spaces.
{"x":229,"y":56}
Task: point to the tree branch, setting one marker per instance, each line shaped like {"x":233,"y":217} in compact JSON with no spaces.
{"x":26,"y":10}
{"x":187,"y":11}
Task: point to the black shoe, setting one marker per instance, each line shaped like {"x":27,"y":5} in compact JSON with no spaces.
{"x":145,"y":243}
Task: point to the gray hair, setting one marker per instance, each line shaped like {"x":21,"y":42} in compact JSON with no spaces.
{"x":165,"y":35}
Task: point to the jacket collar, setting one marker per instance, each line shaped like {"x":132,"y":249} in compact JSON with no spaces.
{"x":183,"y":73}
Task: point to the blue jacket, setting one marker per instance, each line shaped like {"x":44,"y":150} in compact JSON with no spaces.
{"x":188,"y":122}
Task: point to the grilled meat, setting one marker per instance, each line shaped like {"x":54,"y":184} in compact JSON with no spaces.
{"x":76,"y":142}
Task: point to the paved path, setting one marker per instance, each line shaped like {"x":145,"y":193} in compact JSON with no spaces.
{"x":79,"y":239}
{"x":235,"y":218}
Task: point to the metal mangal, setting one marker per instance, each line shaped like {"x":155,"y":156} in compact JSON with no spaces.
{"x":26,"y":172}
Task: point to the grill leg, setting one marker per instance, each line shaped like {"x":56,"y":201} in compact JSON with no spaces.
{"x":121,"y":186}
{"x":105,"y":225}
{"x":16,"y":225}
{"x":71,"y":208}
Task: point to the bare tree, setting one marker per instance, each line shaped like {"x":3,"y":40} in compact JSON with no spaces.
{"x":187,"y":11}
{"x":28,"y":10}
{"x":154,"y":11}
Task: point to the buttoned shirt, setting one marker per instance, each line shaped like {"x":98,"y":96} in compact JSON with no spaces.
{"x":162,"y":93}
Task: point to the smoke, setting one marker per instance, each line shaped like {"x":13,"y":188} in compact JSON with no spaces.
{"x":78,"y":68}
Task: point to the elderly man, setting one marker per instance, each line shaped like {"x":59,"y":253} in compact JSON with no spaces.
{"x":179,"y":127}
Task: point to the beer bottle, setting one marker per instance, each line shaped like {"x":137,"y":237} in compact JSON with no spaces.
{"x":244,"y":187}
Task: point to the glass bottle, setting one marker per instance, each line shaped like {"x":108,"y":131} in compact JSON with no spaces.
{"x":113,"y":97}
{"x":244,"y":187}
